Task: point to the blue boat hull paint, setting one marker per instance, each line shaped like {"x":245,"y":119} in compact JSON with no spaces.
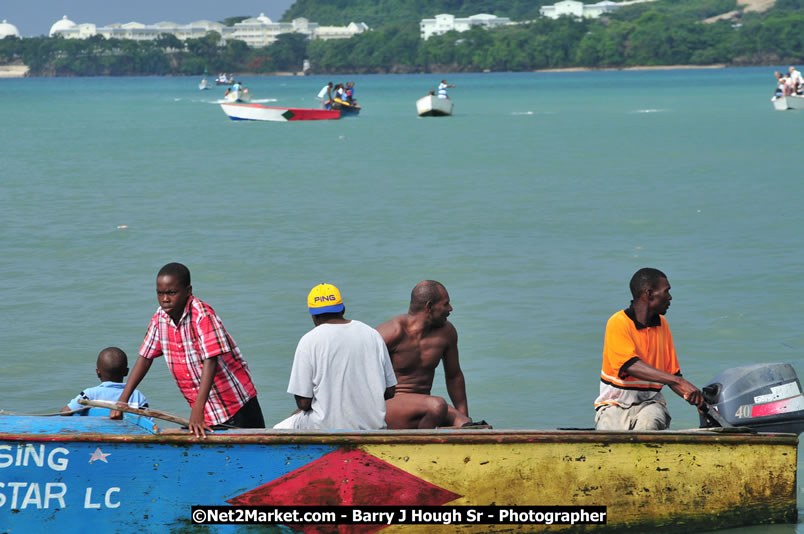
{"x":145,"y":486}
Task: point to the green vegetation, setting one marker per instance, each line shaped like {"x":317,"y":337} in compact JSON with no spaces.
{"x":167,"y":55}
{"x":668,"y":35}
{"x":686,"y":10}
{"x":665,"y":32}
{"x":378,"y":13}
{"x":231,"y":21}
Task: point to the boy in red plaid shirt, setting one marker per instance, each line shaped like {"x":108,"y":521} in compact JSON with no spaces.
{"x":203,"y":359}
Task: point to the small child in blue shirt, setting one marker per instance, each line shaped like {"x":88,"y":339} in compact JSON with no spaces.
{"x":111,"y":368}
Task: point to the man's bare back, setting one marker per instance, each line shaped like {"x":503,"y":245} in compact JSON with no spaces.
{"x":417,"y":342}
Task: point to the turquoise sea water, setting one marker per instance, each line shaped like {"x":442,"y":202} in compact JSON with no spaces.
{"x":533,"y":204}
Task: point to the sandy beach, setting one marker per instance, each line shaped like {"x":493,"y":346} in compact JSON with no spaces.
{"x":13,"y":71}
{"x":654,"y":67}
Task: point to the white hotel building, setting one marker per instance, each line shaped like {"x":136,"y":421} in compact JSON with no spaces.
{"x":256,"y":32}
{"x":579,"y":9}
{"x":445,"y":22}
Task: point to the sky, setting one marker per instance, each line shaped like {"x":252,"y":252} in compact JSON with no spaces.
{"x":35,"y":17}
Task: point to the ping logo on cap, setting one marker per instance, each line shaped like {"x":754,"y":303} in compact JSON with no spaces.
{"x":324,"y":298}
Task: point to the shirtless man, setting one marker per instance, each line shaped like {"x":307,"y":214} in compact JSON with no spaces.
{"x":417,"y":342}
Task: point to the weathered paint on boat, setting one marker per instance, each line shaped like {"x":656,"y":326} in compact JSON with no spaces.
{"x":70,"y":472}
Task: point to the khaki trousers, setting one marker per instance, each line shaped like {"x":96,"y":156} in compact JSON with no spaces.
{"x":650,"y":415}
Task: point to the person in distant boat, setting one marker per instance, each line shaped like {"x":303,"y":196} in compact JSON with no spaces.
{"x":796,"y":81}
{"x":418,"y":342}
{"x":341,"y":374}
{"x":442,"y":89}
{"x":325,"y":96}
{"x":639,"y":360}
{"x":203,"y":359}
{"x":340,"y":94}
{"x":111,"y":367}
{"x":782,"y":84}
{"x":350,"y":93}
{"x":779,"y":84}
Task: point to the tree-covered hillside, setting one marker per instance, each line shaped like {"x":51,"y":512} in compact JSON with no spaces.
{"x":378,"y":13}
{"x":664,"y":32}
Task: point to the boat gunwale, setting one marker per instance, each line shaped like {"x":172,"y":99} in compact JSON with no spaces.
{"x":272,"y":437}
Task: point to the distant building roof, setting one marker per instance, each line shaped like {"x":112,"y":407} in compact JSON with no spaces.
{"x":63,"y":24}
{"x":256,"y":31}
{"x":8,"y":30}
{"x":579,"y":9}
{"x":262,"y":19}
{"x":445,"y":22}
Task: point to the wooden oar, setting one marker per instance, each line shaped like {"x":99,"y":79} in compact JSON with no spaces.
{"x":69,"y":412}
{"x":125,"y":408}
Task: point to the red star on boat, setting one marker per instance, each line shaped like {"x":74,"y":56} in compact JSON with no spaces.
{"x":346,"y":477}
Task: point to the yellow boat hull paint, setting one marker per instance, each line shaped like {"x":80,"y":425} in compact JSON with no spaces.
{"x":667,"y":481}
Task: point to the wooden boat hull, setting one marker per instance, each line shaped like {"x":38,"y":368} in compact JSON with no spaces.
{"x":257,"y":112}
{"x":349,"y":111}
{"x":56,"y":470}
{"x":783,"y":103}
{"x":346,"y":109}
{"x":432,"y":106}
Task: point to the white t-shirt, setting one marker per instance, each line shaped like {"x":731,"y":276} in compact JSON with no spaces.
{"x":345,"y":369}
{"x":323,"y":93}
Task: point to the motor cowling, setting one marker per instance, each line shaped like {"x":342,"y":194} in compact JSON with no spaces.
{"x":765,"y":397}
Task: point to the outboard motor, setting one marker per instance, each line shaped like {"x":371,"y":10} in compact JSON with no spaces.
{"x":765,"y":397}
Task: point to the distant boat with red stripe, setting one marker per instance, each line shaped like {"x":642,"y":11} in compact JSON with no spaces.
{"x":257,"y":112}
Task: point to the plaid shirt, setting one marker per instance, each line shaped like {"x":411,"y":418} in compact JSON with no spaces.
{"x":198,"y":336}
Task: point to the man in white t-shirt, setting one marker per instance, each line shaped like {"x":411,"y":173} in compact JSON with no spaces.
{"x":342,"y":374}
{"x":325,"y":96}
{"x":796,"y":81}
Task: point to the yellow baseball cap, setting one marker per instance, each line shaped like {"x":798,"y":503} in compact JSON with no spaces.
{"x":324,"y":298}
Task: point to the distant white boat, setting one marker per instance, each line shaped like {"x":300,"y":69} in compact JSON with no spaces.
{"x":782,"y":103}
{"x":238,"y":96}
{"x":432,"y":106}
{"x":204,"y":85}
